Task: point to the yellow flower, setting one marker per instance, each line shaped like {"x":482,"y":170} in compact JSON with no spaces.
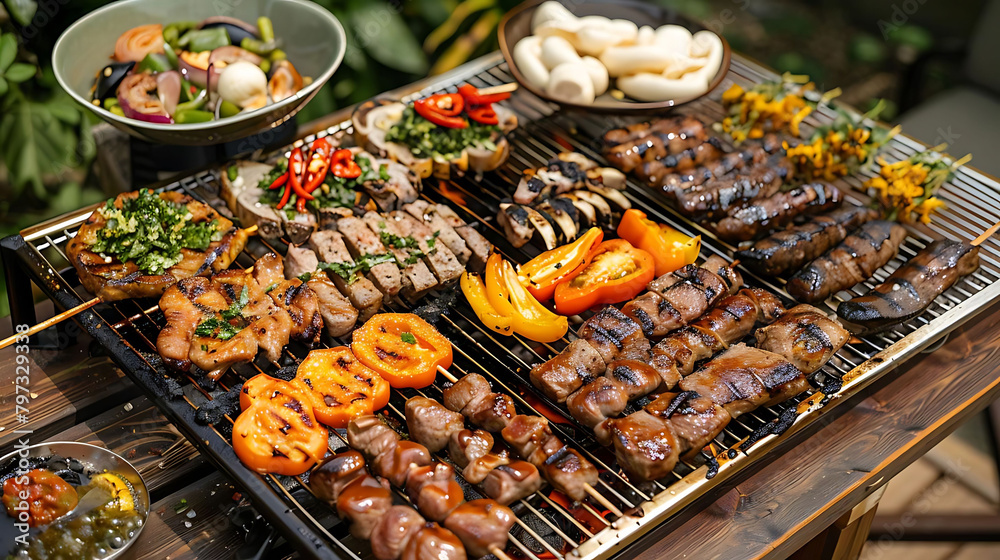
{"x":927,"y":207}
{"x":733,"y":94}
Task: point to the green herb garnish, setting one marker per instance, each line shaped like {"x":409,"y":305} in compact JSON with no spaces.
{"x":362,"y":265}
{"x":151,"y":232}
{"x":408,"y":338}
{"x":236,"y":307}
{"x":426,"y":139}
{"x":232,"y":172}
{"x":216,"y":328}
{"x":305,"y":276}
{"x":397,"y":242}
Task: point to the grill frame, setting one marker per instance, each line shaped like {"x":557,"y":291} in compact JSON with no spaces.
{"x":37,"y":247}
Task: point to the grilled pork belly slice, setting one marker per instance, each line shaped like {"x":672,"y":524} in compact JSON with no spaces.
{"x":302,"y":306}
{"x":432,"y":218}
{"x":805,"y":336}
{"x":329,"y":247}
{"x":417,"y":279}
{"x":111,"y":279}
{"x":362,"y":240}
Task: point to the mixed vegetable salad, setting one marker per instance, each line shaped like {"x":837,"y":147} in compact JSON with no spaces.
{"x":193,"y":72}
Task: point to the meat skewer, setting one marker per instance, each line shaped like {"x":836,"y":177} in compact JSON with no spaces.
{"x":395,"y":532}
{"x":673,"y":357}
{"x":648,"y":443}
{"x":529,"y":436}
{"x":482,"y":525}
{"x":432,"y":424}
{"x":911,"y":288}
{"x":650,"y":171}
{"x":719,"y":197}
{"x":777,"y":210}
{"x":792,"y":248}
{"x":854,"y":260}
{"x":726,"y":165}
{"x":627,"y":148}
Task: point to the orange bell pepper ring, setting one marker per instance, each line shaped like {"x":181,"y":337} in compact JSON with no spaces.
{"x":403,"y":348}
{"x":670,"y":248}
{"x":541,"y":274}
{"x":615,"y":272}
{"x":340,"y":387}
{"x":277,"y":432}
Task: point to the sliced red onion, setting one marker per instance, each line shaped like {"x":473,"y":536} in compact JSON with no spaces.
{"x":249,"y":28}
{"x":168,"y":89}
{"x":195,"y":75}
{"x":135,"y":95}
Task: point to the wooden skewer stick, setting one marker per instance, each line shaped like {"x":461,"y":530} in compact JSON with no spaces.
{"x":71,"y":312}
{"x":502,"y":88}
{"x":496,"y":551}
{"x":49,"y":322}
{"x":590,"y":490}
{"x":985,"y":235}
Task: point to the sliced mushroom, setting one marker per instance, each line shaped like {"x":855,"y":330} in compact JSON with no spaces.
{"x":251,"y":211}
{"x":521,"y":223}
{"x":563,"y":213}
{"x":602,"y":209}
{"x":607,"y":176}
{"x":586,"y":215}
{"x":613,"y":196}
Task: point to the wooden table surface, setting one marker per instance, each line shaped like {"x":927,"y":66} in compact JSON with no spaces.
{"x":79,"y":395}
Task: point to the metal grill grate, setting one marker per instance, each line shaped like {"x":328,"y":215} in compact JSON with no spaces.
{"x":547,"y":526}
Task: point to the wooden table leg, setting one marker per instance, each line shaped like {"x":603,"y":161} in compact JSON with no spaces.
{"x":845,"y":538}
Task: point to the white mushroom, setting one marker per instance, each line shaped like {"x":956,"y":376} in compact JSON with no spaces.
{"x":571,"y":82}
{"x":598,"y":74}
{"x":674,"y":38}
{"x":621,"y":61}
{"x":556,"y":50}
{"x":527,"y":56}
{"x":646,"y":36}
{"x":242,"y":83}
{"x":646,"y":86}
{"x":550,"y":11}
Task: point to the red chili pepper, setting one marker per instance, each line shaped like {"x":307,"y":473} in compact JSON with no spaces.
{"x":321,"y":153}
{"x":483,"y":114}
{"x":278,"y":182}
{"x":342,"y":164}
{"x":284,"y":197}
{"x":473,"y":97}
{"x":443,"y":109}
{"x":296,"y":170}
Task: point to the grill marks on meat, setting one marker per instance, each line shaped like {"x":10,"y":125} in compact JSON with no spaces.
{"x":627,"y":148}
{"x":429,"y":215}
{"x":613,"y":335}
{"x":764,"y":214}
{"x":651,"y":172}
{"x":329,"y":247}
{"x":911,"y":288}
{"x":117,"y":280}
{"x":677,"y":298}
{"x":302,"y":306}
{"x":645,"y":446}
{"x":474,"y":240}
{"x":263,"y":323}
{"x":792,"y":248}
{"x":805,"y":336}
{"x":732,"y":163}
{"x":717,"y":198}
{"x":854,"y":260}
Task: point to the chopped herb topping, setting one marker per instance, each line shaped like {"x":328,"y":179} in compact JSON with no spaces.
{"x":151,"y":232}
{"x":305,"y":276}
{"x":216,"y":328}
{"x":236,"y":307}
{"x":395,"y":241}
{"x":426,"y":139}
{"x":351,"y":271}
{"x":408,"y":338}
{"x":232,"y":172}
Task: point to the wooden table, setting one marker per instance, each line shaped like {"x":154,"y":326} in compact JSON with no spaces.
{"x":79,"y":395}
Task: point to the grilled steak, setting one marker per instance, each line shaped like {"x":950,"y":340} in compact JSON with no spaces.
{"x":804,"y":336}
{"x":854,"y":260}
{"x":792,"y":248}
{"x":429,"y":215}
{"x":364,"y":296}
{"x":911,"y":288}
{"x":777,"y":210}
{"x":474,"y":240}
{"x":361,"y":241}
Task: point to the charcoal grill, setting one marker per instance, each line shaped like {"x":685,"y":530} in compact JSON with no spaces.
{"x":548,"y":526}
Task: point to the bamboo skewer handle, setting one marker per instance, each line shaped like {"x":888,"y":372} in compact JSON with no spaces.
{"x":49,"y":322}
{"x":985,"y":235}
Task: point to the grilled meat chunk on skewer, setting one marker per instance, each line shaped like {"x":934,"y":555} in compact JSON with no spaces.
{"x":401,"y":187}
{"x":650,"y":172}
{"x":645,"y":446}
{"x":364,"y":501}
{"x":328,"y":479}
{"x":606,"y":397}
{"x":339,"y":316}
{"x":110,"y":279}
{"x":482,"y":525}
{"x":719,"y":197}
{"x":473,"y":398}
{"x":370,"y":436}
{"x":744,"y":378}
{"x":564,"y":468}
{"x":613,"y":334}
{"x":627,"y":148}
{"x":727,"y":165}
{"x":792,"y":248}
{"x":429,"y":215}
{"x":417,"y":278}
{"x":434,"y":490}
{"x":433,"y":542}
{"x":677,"y":298}
{"x":465,"y":446}
{"x":394,"y":464}
{"x":438,"y":257}
{"x":727,"y":323}
{"x":854,"y":260}
{"x":777,"y":210}
{"x":911,"y":288}
{"x":431,"y":424}
{"x":392,"y":533}
{"x":565,"y":372}
{"x":805,"y":336}
{"x":302,"y":305}
{"x":511,"y":482}
{"x":695,"y":421}
{"x":330,"y":248}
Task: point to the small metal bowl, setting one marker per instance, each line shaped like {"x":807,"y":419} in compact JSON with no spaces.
{"x":93,"y":460}
{"x":516,"y":25}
